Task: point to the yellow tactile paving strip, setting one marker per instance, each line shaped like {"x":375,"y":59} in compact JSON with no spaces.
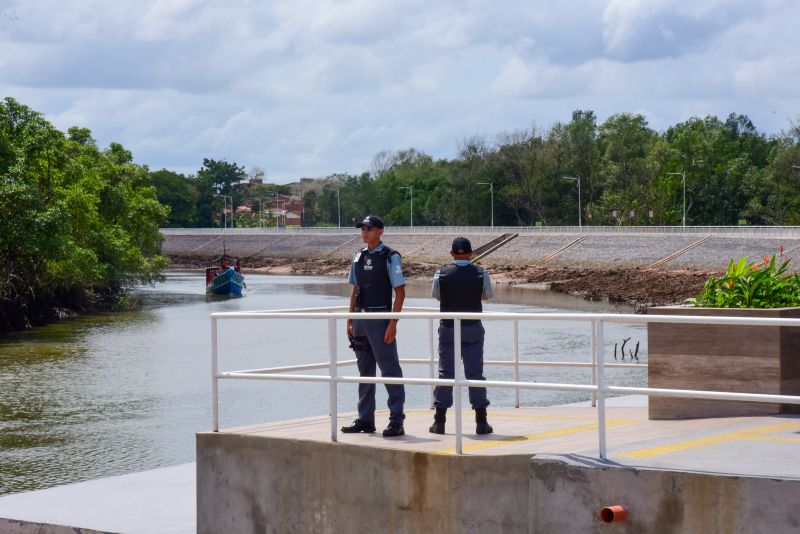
{"x":547,"y":434}
{"x":755,"y":434}
{"x":725,"y":445}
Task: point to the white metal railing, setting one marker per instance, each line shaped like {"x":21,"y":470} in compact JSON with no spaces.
{"x":598,"y":388}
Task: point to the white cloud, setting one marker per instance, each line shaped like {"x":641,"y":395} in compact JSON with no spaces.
{"x":315,"y":86}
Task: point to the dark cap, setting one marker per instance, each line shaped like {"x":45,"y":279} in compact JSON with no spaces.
{"x":461,"y":245}
{"x":372,"y":221}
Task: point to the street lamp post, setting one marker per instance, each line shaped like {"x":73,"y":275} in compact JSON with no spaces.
{"x":491,"y":195}
{"x":578,"y":181}
{"x":224,"y":207}
{"x":278,"y":212}
{"x":411,"y":192}
{"x":682,"y":174}
{"x":260,"y":213}
{"x":276,"y":206}
{"x":338,"y":205}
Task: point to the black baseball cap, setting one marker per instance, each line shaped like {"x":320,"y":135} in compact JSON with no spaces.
{"x":461,"y":245}
{"x":373,"y":221}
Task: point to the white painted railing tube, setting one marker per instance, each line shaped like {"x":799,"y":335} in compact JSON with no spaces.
{"x":214,"y":380}
{"x":592,"y":328}
{"x":430,"y":356}
{"x":601,"y":396}
{"x":516,"y":362}
{"x":334,"y":371}
{"x":459,"y":376}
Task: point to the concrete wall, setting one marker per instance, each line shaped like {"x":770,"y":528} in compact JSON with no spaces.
{"x":567,"y":493}
{"x":249,"y":484}
{"x":594,"y":251}
{"x":14,"y":526}
{"x":259,"y":484}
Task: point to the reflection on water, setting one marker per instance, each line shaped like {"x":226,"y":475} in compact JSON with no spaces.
{"x":123,"y":392}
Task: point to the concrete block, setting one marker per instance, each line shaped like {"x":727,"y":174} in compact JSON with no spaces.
{"x":567,"y":493}
{"x":251,"y":483}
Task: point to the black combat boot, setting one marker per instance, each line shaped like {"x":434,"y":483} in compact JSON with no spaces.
{"x":482,"y":426}
{"x":439,"y":419}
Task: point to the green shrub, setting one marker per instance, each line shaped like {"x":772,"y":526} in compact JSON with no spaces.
{"x":752,"y":285}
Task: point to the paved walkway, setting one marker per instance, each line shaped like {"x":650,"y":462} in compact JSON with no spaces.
{"x":160,"y":501}
{"x":756,"y":446}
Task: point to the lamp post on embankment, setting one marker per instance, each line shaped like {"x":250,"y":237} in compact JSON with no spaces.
{"x":273,"y":193}
{"x":225,"y":207}
{"x":260,"y":212}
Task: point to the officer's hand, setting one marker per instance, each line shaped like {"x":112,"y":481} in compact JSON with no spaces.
{"x":349,"y":328}
{"x":391,"y":331}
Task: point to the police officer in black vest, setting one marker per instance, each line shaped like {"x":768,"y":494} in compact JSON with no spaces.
{"x":460,"y":287}
{"x":375,"y":272}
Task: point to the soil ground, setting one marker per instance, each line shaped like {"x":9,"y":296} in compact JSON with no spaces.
{"x":637,"y":287}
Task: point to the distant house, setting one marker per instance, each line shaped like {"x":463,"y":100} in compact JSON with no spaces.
{"x":292,"y":219}
{"x":279,"y":205}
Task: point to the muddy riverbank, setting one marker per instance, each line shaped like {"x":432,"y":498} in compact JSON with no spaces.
{"x":638,"y":287}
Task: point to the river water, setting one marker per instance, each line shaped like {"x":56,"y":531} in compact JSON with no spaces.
{"x":123,"y":392}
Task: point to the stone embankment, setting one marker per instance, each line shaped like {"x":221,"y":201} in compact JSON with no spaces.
{"x":643,"y":268}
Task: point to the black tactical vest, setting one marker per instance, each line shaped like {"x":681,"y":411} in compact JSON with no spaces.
{"x":372,"y":279}
{"x":460,"y":290}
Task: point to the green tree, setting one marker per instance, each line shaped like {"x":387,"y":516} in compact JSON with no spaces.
{"x":626,"y":171}
{"x":175,"y":190}
{"x":581,"y":153}
{"x":216,"y":178}
{"x":80,"y":225}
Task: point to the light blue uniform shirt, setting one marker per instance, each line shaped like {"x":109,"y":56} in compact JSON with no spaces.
{"x":394,"y":267}
{"x":487,"y":284}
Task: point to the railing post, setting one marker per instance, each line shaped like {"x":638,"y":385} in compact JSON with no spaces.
{"x":333,"y":373}
{"x":601,"y":397}
{"x":430,"y":357}
{"x":592,"y":328}
{"x":214,"y":381}
{"x":516,"y":362}
{"x":459,"y":375}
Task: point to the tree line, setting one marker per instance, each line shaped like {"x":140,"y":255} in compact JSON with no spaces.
{"x":79,"y":224}
{"x":727,"y":171}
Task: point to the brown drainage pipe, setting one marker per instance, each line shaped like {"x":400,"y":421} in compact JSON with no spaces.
{"x":614,"y":514}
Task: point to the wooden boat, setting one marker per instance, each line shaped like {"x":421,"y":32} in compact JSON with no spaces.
{"x":224,"y":277}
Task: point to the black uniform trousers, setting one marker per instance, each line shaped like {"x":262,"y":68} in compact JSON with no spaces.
{"x":471,"y":354}
{"x":376,"y":352}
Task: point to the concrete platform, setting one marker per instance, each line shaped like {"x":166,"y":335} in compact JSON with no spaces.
{"x":249,"y":479}
{"x":754,"y":446}
{"x":252,"y":479}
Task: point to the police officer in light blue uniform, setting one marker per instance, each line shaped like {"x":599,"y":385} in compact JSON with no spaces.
{"x":375,"y":273}
{"x":460,"y":287}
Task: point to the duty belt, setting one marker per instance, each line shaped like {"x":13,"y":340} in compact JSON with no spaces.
{"x":464,"y":322}
{"x":375,"y":309}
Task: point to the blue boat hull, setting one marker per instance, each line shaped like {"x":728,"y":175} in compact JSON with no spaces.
{"x":227,"y":283}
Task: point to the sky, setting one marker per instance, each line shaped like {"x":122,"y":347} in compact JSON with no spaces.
{"x":306,"y":88}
